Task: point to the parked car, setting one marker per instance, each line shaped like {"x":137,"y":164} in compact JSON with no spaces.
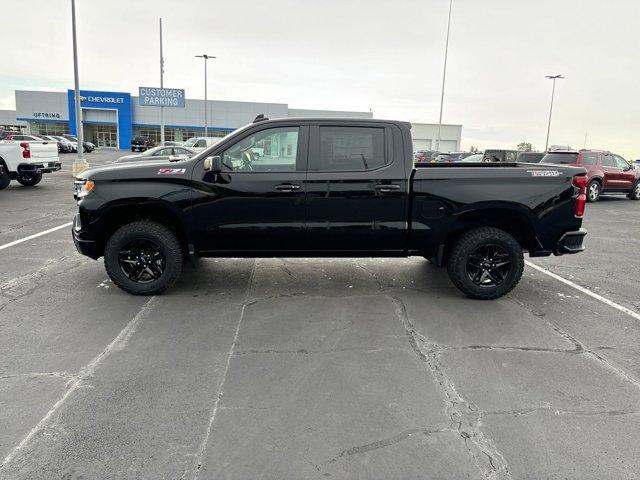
{"x":25,"y":158}
{"x":475,"y":158}
{"x":425,"y":156}
{"x":62,"y":147}
{"x":200,"y":143}
{"x":67,"y":145}
{"x":88,"y":146}
{"x":530,"y":157}
{"x":452,"y":157}
{"x":606,"y":172}
{"x":338,"y":192}
{"x":159,"y":154}
{"x":141,"y":144}
{"x":498,"y":155}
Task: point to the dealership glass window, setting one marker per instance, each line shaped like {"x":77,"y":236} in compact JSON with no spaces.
{"x":350,"y":148}
{"x":46,"y":128}
{"x":270,"y":150}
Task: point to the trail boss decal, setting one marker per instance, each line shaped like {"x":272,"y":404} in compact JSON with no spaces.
{"x":172,"y":171}
{"x":544,"y":173}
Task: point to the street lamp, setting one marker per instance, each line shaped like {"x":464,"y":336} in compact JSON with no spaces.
{"x":80,"y":163}
{"x":444,"y":75}
{"x":553,"y":91}
{"x":206,"y":57}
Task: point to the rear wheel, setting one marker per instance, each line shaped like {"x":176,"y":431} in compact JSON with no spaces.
{"x":485,"y":263}
{"x":635,"y":193}
{"x":593,"y":191}
{"x":143,"y":258}
{"x":30,"y":179}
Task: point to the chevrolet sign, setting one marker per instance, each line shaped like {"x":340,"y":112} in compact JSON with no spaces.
{"x":161,"y":97}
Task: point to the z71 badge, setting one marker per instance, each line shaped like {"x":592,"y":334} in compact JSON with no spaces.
{"x":172,"y":171}
{"x":544,"y":173}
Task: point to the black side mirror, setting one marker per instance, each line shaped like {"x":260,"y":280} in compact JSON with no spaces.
{"x":213,"y":164}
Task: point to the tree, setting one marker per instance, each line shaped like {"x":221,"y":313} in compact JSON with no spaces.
{"x":524,"y":147}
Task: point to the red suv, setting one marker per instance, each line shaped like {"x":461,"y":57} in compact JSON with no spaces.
{"x":606,"y":172}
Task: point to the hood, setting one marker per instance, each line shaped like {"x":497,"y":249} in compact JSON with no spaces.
{"x":135,"y":170}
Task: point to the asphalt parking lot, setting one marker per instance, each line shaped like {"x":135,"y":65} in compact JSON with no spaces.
{"x":314,"y":368}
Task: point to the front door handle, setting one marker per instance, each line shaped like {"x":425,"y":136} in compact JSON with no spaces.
{"x":387,"y":187}
{"x":287,"y":187}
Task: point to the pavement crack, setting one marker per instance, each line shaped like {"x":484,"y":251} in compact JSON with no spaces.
{"x":386,"y":442}
{"x":464,"y":416}
{"x":527,"y":411}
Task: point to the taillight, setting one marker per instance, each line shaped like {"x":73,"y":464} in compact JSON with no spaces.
{"x":580,"y":181}
{"x":26,"y":150}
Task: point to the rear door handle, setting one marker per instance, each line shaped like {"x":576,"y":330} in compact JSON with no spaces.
{"x":387,"y":187}
{"x":287,"y":187}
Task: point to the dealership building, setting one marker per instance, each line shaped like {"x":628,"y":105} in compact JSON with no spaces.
{"x":111,"y":119}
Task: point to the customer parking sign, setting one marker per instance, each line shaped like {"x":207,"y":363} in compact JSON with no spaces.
{"x":161,"y":97}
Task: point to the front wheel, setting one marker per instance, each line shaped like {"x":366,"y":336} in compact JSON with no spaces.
{"x":635,"y":193}
{"x":485,"y":263}
{"x":29,"y":180}
{"x":143,"y":258}
{"x":5,"y":179}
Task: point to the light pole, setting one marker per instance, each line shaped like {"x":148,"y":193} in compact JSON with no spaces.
{"x":161,"y":86}
{"x":206,"y":120}
{"x":553,"y":91}
{"x":80,"y":163}
{"x":444,"y":75}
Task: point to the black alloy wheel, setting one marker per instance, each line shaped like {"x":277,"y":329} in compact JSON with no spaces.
{"x":488,"y":265}
{"x":142,"y":261}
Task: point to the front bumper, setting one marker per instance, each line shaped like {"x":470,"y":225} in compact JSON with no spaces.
{"x":84,"y":246}
{"x":571,"y":242}
{"x":43,"y":167}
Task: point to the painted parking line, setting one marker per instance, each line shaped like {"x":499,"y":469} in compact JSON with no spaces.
{"x":35,"y":235}
{"x":87,"y":371}
{"x":584,"y":290}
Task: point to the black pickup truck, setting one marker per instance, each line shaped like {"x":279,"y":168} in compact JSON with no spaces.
{"x":326,"y":188}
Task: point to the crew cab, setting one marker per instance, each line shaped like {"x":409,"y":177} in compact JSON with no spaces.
{"x":327,"y":188}
{"x":25,"y":158}
{"x":607,"y":173}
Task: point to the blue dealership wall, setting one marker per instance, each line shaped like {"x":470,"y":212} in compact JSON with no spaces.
{"x":119,"y":101}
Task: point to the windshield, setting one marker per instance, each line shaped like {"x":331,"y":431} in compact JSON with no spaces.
{"x":560,"y":158}
{"x":191,"y":142}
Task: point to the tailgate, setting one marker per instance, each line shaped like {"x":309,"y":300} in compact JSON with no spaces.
{"x":43,"y":151}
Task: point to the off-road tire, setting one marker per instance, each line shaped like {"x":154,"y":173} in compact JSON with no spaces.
{"x":466,"y":245}
{"x":165,"y":238}
{"x":634,"y":194}
{"x":5,"y":179}
{"x":30,"y":180}
{"x":594,"y":184}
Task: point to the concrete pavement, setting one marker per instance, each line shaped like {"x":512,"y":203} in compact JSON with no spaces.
{"x":314,"y":368}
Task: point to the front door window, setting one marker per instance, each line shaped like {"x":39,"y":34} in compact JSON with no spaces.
{"x":270,"y":150}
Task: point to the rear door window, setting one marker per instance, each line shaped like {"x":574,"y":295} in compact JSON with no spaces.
{"x":350,"y":149}
{"x":608,"y":161}
{"x":560,"y":158}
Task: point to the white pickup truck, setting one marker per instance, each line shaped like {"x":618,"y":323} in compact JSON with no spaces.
{"x":25,"y":158}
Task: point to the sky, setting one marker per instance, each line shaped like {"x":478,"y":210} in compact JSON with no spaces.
{"x":360,"y":55}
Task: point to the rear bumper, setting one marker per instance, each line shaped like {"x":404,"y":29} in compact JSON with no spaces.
{"x":571,"y":242}
{"x":42,"y":167}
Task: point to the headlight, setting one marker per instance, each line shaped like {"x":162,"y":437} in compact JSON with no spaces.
{"x":82,"y":187}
